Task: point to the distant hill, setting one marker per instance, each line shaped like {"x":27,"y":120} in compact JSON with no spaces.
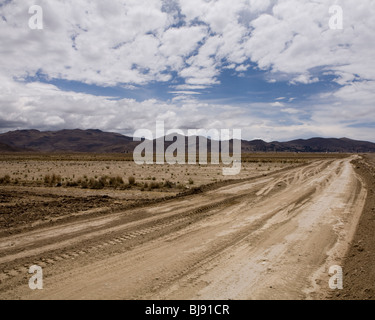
{"x":343,"y":145}
{"x":90,"y":141}
{"x":96,"y":141}
{"x":5,"y":148}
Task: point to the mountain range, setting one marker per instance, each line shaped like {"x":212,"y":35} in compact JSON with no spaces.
{"x":96,"y":141}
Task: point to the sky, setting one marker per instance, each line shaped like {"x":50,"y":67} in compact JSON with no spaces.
{"x":276,"y":69}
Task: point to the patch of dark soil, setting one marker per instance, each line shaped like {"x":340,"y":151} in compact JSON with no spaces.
{"x":19,"y":209}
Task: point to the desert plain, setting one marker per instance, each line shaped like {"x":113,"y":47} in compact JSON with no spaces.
{"x":102,"y":227}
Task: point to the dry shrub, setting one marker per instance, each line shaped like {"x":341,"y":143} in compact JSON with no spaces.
{"x":5,"y":179}
{"x":131,"y":181}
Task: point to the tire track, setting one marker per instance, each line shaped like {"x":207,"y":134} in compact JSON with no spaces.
{"x":117,"y":240}
{"x":132,"y":237}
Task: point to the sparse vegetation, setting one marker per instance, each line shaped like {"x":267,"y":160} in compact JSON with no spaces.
{"x":86,"y":171}
{"x":168,"y":184}
{"x":5,"y":179}
{"x":52,"y":180}
{"x":131,"y":181}
{"x":154,"y":185}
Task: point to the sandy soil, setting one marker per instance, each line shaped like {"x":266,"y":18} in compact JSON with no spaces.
{"x":33,"y":202}
{"x":269,"y":237}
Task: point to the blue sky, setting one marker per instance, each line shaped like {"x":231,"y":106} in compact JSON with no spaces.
{"x":251,"y":86}
{"x":277,"y":70}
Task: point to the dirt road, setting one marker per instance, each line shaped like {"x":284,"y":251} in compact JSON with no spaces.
{"x":271,"y":237}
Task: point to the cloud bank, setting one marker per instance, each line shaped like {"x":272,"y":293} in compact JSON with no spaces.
{"x":188,"y":45}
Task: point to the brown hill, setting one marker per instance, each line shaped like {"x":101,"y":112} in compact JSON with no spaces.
{"x":69,"y":141}
{"x":96,"y":141}
{"x":342,"y":145}
{"x":5,"y":148}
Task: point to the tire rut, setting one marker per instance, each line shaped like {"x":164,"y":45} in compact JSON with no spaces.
{"x":182,"y":220}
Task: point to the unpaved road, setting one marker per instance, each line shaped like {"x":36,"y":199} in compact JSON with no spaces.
{"x":271,"y":237}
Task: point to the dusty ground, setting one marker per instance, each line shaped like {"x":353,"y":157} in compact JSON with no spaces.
{"x":272,"y":236}
{"x":358,"y":267}
{"x":31,"y":170}
{"x":30,"y":202}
